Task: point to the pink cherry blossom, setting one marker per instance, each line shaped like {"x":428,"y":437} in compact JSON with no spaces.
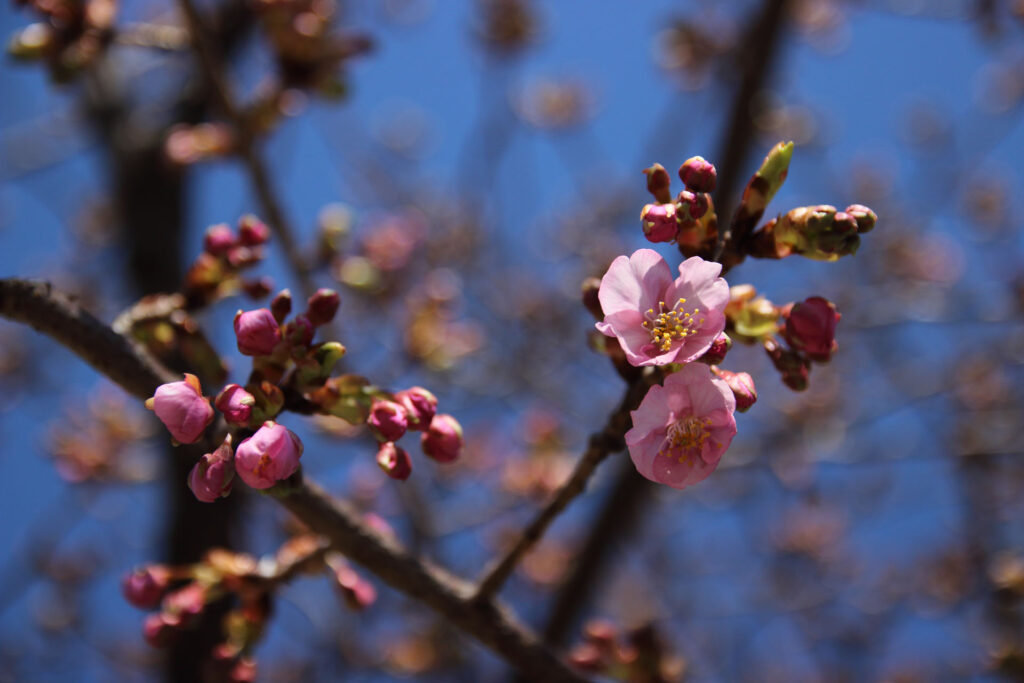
{"x":681,"y":429}
{"x":182,"y":408}
{"x":268,"y":456}
{"x":656,"y":319}
{"x":257,"y":332}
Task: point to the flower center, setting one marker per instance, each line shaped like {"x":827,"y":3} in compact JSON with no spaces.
{"x":686,"y":438}
{"x":668,"y":325}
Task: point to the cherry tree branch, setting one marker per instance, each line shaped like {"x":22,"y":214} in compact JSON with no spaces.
{"x":57,"y":316}
{"x":259,"y":177}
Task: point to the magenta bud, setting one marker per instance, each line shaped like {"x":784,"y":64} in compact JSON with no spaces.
{"x":443,"y":441}
{"x":658,"y":183}
{"x":394,"y":461}
{"x":281,"y":305}
{"x":257,"y":332}
{"x":219,"y":239}
{"x":212,"y":476}
{"x":182,"y":606}
{"x":692,"y":206}
{"x":322,"y":307}
{"x":235,"y":403}
{"x":698,"y":174}
{"x":182,"y":408}
{"x":811,"y":327}
{"x":268,"y":456}
{"x":420,"y":407}
{"x":299,"y":332}
{"x":252,"y":231}
{"x":719,"y":348}
{"x":388,"y":419}
{"x":145,"y":587}
{"x":742,"y":385}
{"x":864,"y":216}
{"x":659,"y":222}
{"x":156,"y":631}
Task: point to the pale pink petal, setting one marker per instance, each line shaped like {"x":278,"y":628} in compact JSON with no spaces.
{"x":634,"y":283}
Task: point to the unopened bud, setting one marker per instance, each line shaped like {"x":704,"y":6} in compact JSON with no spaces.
{"x":811,"y":327}
{"x":182,"y":408}
{"x":257,"y":332}
{"x":692,"y":206}
{"x":257,"y":289}
{"x":658,"y":183}
{"x":357,"y":591}
{"x":659,"y":222}
{"x":252,"y":231}
{"x":281,"y":305}
{"x":300,"y":331}
{"x":322,"y":307}
{"x":156,"y":631}
{"x":742,"y":385}
{"x":145,"y":587}
{"x":719,"y":347}
{"x":420,"y":407}
{"x":32,"y":42}
{"x":864,"y":216}
{"x":794,"y":367}
{"x":443,"y":441}
{"x":212,"y":476}
{"x":219,"y":239}
{"x":388,"y":419}
{"x":698,"y":174}
{"x":235,"y":403}
{"x":394,"y":461}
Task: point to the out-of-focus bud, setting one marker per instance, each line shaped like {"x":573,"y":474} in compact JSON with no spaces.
{"x":588,"y":657}
{"x":145,"y":587}
{"x":388,"y":419}
{"x":212,"y":476}
{"x":817,"y":232}
{"x":811,"y":327}
{"x":257,"y":332}
{"x":268,"y":456}
{"x":181,"y":607}
{"x":692,"y":206}
{"x":719,"y":347}
{"x":794,"y":367}
{"x":394,"y":461}
{"x":659,"y":222}
{"x":327,"y":356}
{"x":156,"y":631}
{"x":864,"y":216}
{"x":299,"y":332}
{"x":658,"y":183}
{"x":443,"y":441}
{"x":322,"y":307}
{"x":219,"y":239}
{"x":698,"y":174}
{"x":589,"y":290}
{"x":281,"y":305}
{"x":420,"y":406}
{"x":252,"y":232}
{"x":742,"y":385}
{"x":357,"y":591}
{"x":754,"y":319}
{"x":182,"y":408}
{"x":32,"y":42}
{"x":235,"y":403}
{"x":257,"y":289}
{"x":244,"y":671}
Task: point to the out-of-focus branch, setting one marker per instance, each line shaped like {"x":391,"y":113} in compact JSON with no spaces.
{"x":600,"y":445}
{"x":247,"y":151}
{"x":54,"y":314}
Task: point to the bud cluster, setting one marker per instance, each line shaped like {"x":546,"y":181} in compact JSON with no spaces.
{"x":689,"y":218}
{"x":816,"y":232}
{"x":72,"y":36}
{"x":216,"y":272}
{"x":390,"y":417}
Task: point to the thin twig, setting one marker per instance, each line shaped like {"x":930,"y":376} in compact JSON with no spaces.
{"x":247,"y":151}
{"x":52,"y":313}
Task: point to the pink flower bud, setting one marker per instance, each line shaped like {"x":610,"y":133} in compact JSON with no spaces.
{"x":268,"y":456}
{"x":389,"y":419}
{"x":219,"y":239}
{"x":257,"y":332}
{"x":394,"y":461}
{"x":357,"y":591}
{"x":864,"y":216}
{"x":145,"y":587}
{"x":181,"y":607}
{"x":443,"y":440}
{"x":719,"y":347}
{"x":698,"y":174}
{"x":692,"y":206}
{"x":156,"y":631}
{"x":213,"y":475}
{"x":182,"y":408}
{"x":742,"y":386}
{"x":281,"y":306}
{"x":420,"y":405}
{"x":658,"y":183}
{"x":659,"y":222}
{"x":322,"y":307}
{"x":252,"y":231}
{"x":811,"y":327}
{"x":235,"y":403}
{"x":299,"y":332}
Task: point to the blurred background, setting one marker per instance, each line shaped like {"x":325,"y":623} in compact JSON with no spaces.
{"x":455,"y":170}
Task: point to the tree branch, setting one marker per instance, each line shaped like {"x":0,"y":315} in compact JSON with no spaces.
{"x":50,"y":312}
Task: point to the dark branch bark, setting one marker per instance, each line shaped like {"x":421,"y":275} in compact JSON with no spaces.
{"x":38,"y":305}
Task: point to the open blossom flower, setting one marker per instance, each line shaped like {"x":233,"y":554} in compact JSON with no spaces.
{"x":656,"y":319}
{"x":268,"y":456}
{"x":681,"y":429}
{"x":182,"y":408}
